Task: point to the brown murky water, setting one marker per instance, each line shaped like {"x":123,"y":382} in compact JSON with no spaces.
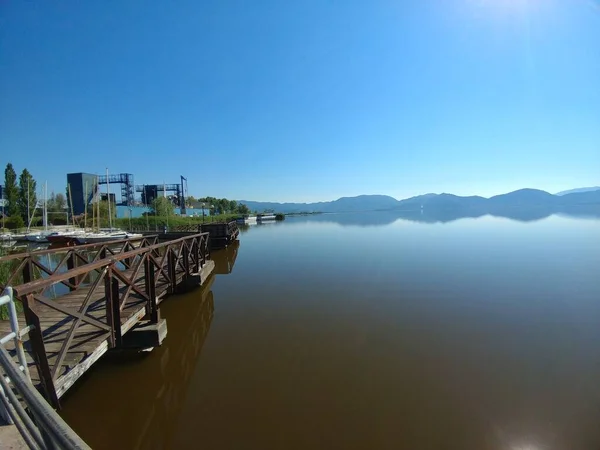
{"x":367,"y":332}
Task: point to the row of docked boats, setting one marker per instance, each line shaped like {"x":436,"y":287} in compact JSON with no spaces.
{"x":69,"y":237}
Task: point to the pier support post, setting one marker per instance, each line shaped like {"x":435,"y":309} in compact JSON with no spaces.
{"x":150,"y":284}
{"x":171,"y":266}
{"x":146,"y":335}
{"x":113,"y":310}
{"x":40,"y":358}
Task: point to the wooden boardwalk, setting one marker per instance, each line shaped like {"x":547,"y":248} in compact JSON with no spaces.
{"x":106,"y":298}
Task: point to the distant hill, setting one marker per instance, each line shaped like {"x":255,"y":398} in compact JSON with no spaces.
{"x":543,"y":201}
{"x":578,"y":190}
{"x":580,"y":198}
{"x":344,"y":204}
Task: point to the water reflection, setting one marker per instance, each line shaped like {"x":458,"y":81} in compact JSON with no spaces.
{"x":139,"y":396}
{"x":480,"y":334}
{"x":226,"y":259}
{"x":381,"y":218}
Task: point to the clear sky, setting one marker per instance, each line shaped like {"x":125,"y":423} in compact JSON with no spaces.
{"x":305,"y":100}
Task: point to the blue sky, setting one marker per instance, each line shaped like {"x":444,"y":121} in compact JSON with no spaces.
{"x":307,"y":100}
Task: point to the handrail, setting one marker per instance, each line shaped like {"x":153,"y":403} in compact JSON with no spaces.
{"x":36,"y":285}
{"x":16,"y":333}
{"x":47,"y":430}
{"x":69,"y":257}
{"x":77,"y":248}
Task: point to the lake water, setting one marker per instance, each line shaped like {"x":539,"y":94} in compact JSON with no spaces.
{"x":370,"y":332}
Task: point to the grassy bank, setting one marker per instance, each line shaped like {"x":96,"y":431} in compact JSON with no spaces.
{"x":157,"y":223}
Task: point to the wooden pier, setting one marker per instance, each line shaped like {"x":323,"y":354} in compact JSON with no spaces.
{"x":222,"y":234}
{"x":90,"y":297}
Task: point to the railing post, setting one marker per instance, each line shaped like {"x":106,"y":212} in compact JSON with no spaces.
{"x":40,"y":357}
{"x":113,"y":310}
{"x":71,"y":264}
{"x":205,"y":249}
{"x":171,"y":270}
{"x":127,"y":247}
{"x":149,"y":280}
{"x":186,"y":260}
{"x":28,"y":271}
{"x":196,"y":254}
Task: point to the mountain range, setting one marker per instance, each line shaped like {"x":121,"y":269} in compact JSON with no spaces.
{"x":574,"y":191}
{"x":522,"y":198}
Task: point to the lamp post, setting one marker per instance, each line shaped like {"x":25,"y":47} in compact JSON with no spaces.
{"x":203,"y":212}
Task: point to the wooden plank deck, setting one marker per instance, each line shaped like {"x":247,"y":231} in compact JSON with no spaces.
{"x":89,"y":342}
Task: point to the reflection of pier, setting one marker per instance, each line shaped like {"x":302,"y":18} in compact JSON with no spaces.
{"x":148,"y":416}
{"x":225,"y":259}
{"x":164,"y":373}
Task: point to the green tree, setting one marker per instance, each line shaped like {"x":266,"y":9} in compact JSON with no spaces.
{"x":242,"y":209}
{"x":11,"y":191}
{"x":232,"y":206}
{"x":56,"y":203}
{"x":189,"y":200}
{"x":103,"y":207}
{"x":51,"y":203}
{"x":60,"y":202}
{"x":162,"y":207}
{"x":27,"y":198}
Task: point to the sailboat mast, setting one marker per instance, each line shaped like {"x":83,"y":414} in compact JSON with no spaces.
{"x":29,"y":220}
{"x":108,"y":198}
{"x":45,"y":212}
{"x":85,"y":195}
{"x":98,"y":202}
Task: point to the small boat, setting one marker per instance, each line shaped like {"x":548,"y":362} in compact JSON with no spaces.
{"x":15,"y":237}
{"x":7,"y":237}
{"x":64,"y":237}
{"x":36,"y":238}
{"x":266,"y":218}
{"x":106,"y":236}
{"x":7,"y":244}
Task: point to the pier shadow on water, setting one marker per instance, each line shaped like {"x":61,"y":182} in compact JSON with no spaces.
{"x":131,"y":400}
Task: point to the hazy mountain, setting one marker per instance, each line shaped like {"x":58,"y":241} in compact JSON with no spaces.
{"x":575,"y":191}
{"x":441,"y":202}
{"x":344,"y":204}
{"x":542,"y":201}
{"x":580,"y":198}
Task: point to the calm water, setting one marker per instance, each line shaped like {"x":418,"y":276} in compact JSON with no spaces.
{"x":370,"y":332}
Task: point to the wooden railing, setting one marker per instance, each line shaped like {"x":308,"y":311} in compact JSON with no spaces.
{"x":25,"y":267}
{"x":134,"y":279}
